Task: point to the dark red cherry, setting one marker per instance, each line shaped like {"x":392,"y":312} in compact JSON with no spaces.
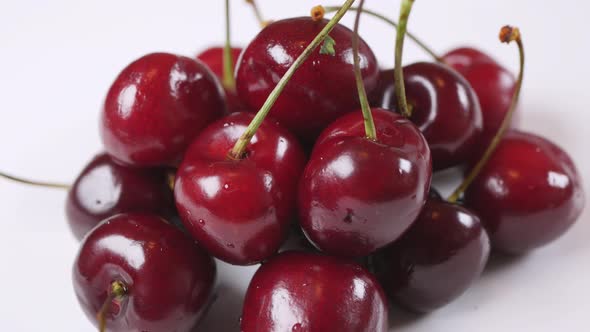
{"x":105,"y":188}
{"x":493,"y":84}
{"x":436,"y":260}
{"x":321,"y":90}
{"x":155,"y":108}
{"x":304,"y":292}
{"x":167,"y":279}
{"x":444,"y":107}
{"x":357,"y":195}
{"x":239,"y":210}
{"x":528,"y":194}
{"x":213,"y":58}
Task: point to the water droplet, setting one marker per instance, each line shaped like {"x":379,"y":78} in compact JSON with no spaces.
{"x":226,"y":124}
{"x":231,"y":245}
{"x":304,"y":284}
{"x":226,"y":186}
{"x":296,"y":327}
{"x":202,"y":222}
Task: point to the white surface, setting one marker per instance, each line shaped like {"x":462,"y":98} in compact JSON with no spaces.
{"x":59,"y":57}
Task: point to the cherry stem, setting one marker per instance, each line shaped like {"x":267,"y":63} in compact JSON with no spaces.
{"x":35,"y":183}
{"x":410,"y":35}
{"x":240,"y":146}
{"x":400,"y":87}
{"x":229,"y":82}
{"x":257,"y":13}
{"x":508,"y":34}
{"x":117,"y":291}
{"x":370,"y":130}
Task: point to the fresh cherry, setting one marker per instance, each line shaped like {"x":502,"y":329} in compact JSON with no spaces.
{"x":239,"y":210}
{"x":323,"y":88}
{"x":358,"y":195}
{"x":528,"y":194}
{"x":155,"y":108}
{"x":142,"y":274}
{"x":105,"y":188}
{"x":436,"y":260}
{"x":297,"y":291}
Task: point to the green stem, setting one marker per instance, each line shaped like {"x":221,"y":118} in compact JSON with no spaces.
{"x":410,"y":35}
{"x":257,"y":13}
{"x":400,"y":87}
{"x":370,"y":130}
{"x":508,"y":35}
{"x":240,"y":147}
{"x":35,"y":183}
{"x":229,"y":81}
{"x":117,"y":291}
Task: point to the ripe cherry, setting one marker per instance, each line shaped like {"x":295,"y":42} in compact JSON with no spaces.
{"x":323,"y":88}
{"x":239,"y":210}
{"x":436,"y":260}
{"x":139,"y":273}
{"x":297,"y":291}
{"x":105,"y":188}
{"x":528,"y":194}
{"x":343,"y":209}
{"x":155,"y":108}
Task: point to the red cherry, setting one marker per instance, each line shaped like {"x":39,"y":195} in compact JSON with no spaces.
{"x":167,"y":278}
{"x":105,"y":188}
{"x":313,"y":293}
{"x":322,"y":89}
{"x":436,"y":260}
{"x":462,"y":59}
{"x":528,"y":194}
{"x":155,"y":108}
{"x":239,"y":210}
{"x":343,"y":209}
{"x":444,"y":107}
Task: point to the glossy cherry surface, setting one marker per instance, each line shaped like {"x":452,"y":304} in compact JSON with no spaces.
{"x":493,"y":84}
{"x":528,"y":194}
{"x":357,"y":195}
{"x":436,"y":260}
{"x":240,"y":210}
{"x":444,"y":107}
{"x":167,"y":277}
{"x":155,"y":108}
{"x":105,"y":188}
{"x":321,"y":90}
{"x":304,"y":292}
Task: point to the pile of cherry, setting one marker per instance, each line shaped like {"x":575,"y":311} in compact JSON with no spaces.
{"x":175,"y":187}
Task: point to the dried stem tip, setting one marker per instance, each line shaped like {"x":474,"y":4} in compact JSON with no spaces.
{"x":318,"y":12}
{"x":509,"y":34}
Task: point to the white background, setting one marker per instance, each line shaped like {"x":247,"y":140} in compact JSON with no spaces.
{"x":57,"y":59}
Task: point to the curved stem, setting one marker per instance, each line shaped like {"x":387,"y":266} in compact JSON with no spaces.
{"x":229,"y":81}
{"x":507,"y":35}
{"x":240,"y":147}
{"x":400,"y":87}
{"x":410,"y":35}
{"x":370,"y":130}
{"x":117,"y":291}
{"x":35,"y":183}
{"x":257,"y":13}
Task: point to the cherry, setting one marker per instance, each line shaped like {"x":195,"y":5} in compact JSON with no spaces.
{"x":105,"y":188}
{"x":155,"y":108}
{"x":322,"y":90}
{"x":436,"y":260}
{"x":528,"y":194}
{"x":136,"y":272}
{"x":463,"y":59}
{"x":239,"y":210}
{"x":297,"y":291}
{"x":343,"y":209}
{"x":213,"y":58}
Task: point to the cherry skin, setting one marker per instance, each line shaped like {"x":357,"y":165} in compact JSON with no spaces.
{"x":444,"y":107}
{"x":168,"y":278}
{"x":528,"y":194}
{"x":213,"y":58}
{"x":240,"y":210}
{"x":105,"y":188}
{"x":304,"y":292}
{"x":493,"y":84}
{"x":321,"y":90}
{"x":436,"y":260}
{"x":155,"y":108}
{"x":358,"y":195}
